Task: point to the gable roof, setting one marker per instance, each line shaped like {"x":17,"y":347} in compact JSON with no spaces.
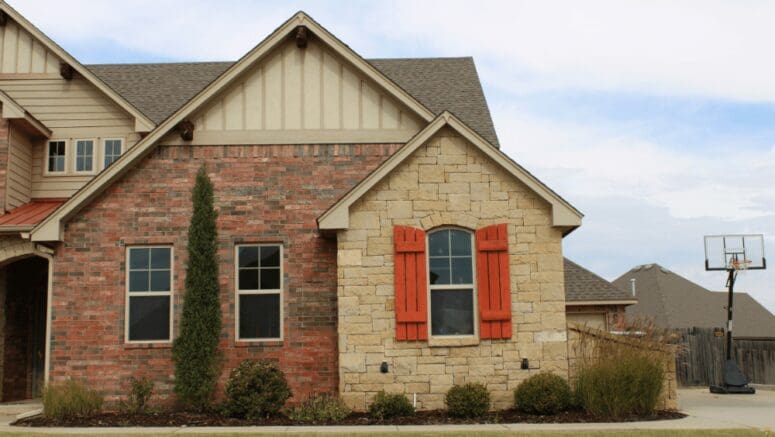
{"x":142,"y":123}
{"x":50,"y":229}
{"x":440,"y":84}
{"x":584,"y":287}
{"x":13,"y":110}
{"x":563,"y":213}
{"x":675,"y":302}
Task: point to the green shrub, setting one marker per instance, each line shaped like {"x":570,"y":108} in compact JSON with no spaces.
{"x":139,"y":393}
{"x":70,"y":399}
{"x":621,"y":376}
{"x":195,"y":351}
{"x":629,"y":384}
{"x":544,"y":393}
{"x":386,"y":406}
{"x":469,"y":400}
{"x":255,"y":390}
{"x":320,"y":408}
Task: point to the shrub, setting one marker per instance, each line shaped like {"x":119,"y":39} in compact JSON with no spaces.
{"x":320,"y":408}
{"x":70,"y":399}
{"x":195,"y":351}
{"x":544,"y":393}
{"x":139,"y":394}
{"x":469,"y":400}
{"x":256,"y":389}
{"x":621,"y":376}
{"x":386,"y":406}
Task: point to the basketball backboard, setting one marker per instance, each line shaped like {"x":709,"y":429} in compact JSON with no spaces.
{"x":722,"y":251}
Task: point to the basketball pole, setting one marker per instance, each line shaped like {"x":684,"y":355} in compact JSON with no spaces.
{"x":730,"y":301}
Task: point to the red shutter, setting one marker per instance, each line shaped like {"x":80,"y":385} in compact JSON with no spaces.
{"x":411,"y":284}
{"x":494,"y":281}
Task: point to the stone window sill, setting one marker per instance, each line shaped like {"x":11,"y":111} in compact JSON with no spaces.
{"x":254,"y":343}
{"x":160,"y":345}
{"x":453,"y":342}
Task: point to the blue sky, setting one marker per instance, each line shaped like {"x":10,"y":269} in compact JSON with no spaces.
{"x":656,"y":119}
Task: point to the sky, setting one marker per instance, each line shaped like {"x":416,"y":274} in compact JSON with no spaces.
{"x":656,"y":119}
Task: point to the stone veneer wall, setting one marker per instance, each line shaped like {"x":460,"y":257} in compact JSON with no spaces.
{"x":615,"y":314}
{"x":447,"y":182}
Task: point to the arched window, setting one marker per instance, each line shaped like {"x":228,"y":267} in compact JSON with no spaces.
{"x":451,"y":282}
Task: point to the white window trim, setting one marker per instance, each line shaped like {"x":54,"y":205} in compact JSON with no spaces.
{"x":473,"y":287}
{"x":149,"y":293}
{"x":102,"y":149}
{"x":238,"y":292}
{"x":94,"y":157}
{"x":46,"y":157}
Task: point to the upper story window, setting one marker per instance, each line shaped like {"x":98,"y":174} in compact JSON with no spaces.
{"x":84,"y":156}
{"x":56,"y":156}
{"x":451,"y":282}
{"x":111,"y":150}
{"x":149,"y":294}
{"x":259,"y":292}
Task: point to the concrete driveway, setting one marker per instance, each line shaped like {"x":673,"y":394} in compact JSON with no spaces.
{"x":729,"y":411}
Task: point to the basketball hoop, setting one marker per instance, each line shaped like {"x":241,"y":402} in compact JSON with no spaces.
{"x":739,"y":265}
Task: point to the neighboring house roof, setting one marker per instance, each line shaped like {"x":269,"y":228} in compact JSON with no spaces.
{"x":584,"y":287}
{"x":564,"y":215}
{"x":26,"y":216}
{"x":440,"y":84}
{"x":673,"y":301}
{"x":142,"y":123}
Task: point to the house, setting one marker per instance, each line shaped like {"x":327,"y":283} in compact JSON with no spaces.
{"x":674,"y":302}
{"x":371,"y":234}
{"x":592,"y":301}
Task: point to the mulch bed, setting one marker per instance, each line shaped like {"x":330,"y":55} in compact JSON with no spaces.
{"x":438,"y":417}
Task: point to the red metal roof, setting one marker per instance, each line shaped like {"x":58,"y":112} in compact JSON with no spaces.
{"x":30,"y":213}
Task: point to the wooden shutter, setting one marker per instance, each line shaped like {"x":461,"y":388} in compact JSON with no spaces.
{"x":494,"y":281}
{"x":411,"y":284}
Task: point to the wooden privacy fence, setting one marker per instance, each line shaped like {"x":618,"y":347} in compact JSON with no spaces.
{"x":701,"y":355}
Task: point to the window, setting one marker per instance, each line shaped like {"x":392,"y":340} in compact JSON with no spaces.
{"x":84,"y":155}
{"x":56,"y":156}
{"x":149,"y":294}
{"x":259,"y":292}
{"x":451,"y":278}
{"x":111,"y":150}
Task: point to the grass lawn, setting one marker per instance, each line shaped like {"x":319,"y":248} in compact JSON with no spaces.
{"x":665,"y":433}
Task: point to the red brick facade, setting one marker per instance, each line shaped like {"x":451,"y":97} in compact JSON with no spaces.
{"x":262,"y":194}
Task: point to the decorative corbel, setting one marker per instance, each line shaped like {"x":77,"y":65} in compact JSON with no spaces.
{"x":66,"y":71}
{"x":301,"y":37}
{"x":186,"y":130}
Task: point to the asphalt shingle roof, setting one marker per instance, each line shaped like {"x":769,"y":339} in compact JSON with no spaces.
{"x":673,"y":301}
{"x":451,"y":84}
{"x":583,"y":285}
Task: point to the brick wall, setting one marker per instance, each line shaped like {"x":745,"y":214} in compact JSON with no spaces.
{"x":262,"y":194}
{"x":4,"y":138}
{"x":447,"y":182}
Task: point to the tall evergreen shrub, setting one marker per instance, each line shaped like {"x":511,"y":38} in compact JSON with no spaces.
{"x":195,"y":350}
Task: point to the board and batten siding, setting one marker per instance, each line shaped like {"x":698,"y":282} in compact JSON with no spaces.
{"x":23,"y":54}
{"x":19,"y":187}
{"x":295,"y":96}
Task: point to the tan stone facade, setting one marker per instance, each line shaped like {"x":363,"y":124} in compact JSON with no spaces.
{"x":447,"y":182}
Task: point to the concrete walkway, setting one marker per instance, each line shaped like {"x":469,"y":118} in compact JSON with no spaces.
{"x":705,"y":410}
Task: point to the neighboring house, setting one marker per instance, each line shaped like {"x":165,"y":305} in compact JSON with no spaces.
{"x":592,"y":301}
{"x":365,"y":216}
{"x":673,"y":301}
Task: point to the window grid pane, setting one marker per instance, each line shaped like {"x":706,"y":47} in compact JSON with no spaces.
{"x":259,"y":281}
{"x":56,"y":156}
{"x":149,"y":274}
{"x":112,"y":151}
{"x":451,"y":280}
{"x":84,"y":155}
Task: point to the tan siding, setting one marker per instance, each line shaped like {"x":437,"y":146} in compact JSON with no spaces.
{"x":21,"y":53}
{"x":294,"y":90}
{"x":72,"y":109}
{"x":19,"y":170}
